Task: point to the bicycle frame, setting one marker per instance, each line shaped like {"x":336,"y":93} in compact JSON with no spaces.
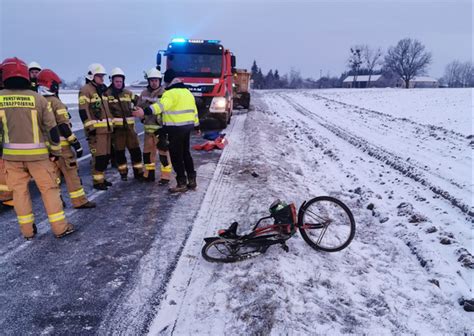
{"x":285,"y":225}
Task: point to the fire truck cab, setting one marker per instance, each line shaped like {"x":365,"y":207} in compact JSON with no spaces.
{"x":206,"y":68}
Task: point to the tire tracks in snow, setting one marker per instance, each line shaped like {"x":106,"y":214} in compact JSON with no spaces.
{"x":394,"y":161}
{"x":169,"y":311}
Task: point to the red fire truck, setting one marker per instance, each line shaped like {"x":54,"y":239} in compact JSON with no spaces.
{"x":206,"y":69}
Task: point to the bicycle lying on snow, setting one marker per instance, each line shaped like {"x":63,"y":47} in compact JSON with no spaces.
{"x":325,"y":223}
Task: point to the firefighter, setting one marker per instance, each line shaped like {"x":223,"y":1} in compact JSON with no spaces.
{"x":178,"y":113}
{"x":48,"y":87}
{"x":27,"y":124}
{"x":34,"y":69}
{"x":125,"y":136}
{"x":149,"y":96}
{"x":6,"y":195}
{"x":97,"y":120}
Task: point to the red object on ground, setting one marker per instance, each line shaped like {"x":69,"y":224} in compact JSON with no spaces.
{"x":219,"y":143}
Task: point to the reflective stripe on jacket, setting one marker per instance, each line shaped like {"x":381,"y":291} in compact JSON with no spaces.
{"x":148,"y":97}
{"x":94,"y":110}
{"x":62,"y":117}
{"x":26,"y":122}
{"x":176,"y":107}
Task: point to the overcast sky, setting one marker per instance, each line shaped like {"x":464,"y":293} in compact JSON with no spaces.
{"x":68,"y":35}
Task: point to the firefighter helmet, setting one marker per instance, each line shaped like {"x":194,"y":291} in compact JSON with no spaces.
{"x":153,"y":73}
{"x":14,"y":67}
{"x":49,"y":79}
{"x":34,"y":66}
{"x":95,"y":69}
{"x":117,"y":72}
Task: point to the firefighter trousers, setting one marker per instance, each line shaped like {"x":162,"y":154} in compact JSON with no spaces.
{"x":127,"y":138}
{"x":67,"y":166}
{"x":99,"y":146}
{"x":18,"y":175}
{"x":149,"y":157}
{"x":5,"y":193}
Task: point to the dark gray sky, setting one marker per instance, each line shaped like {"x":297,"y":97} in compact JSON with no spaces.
{"x":68,"y":35}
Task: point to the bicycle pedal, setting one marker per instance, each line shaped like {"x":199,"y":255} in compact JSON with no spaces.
{"x":285,"y":247}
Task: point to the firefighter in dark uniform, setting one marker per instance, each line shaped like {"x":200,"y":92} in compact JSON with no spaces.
{"x":125,"y":136}
{"x":98,"y":124}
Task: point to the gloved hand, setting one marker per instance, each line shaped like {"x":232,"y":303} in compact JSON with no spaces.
{"x":164,"y":160}
{"x":77,"y":147}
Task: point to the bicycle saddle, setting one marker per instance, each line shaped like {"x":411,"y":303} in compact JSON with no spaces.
{"x":231,"y":232}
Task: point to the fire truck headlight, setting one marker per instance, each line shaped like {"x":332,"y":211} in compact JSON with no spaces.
{"x":218,"y":104}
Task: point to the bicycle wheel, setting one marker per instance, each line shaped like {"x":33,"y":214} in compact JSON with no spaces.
{"x":225,"y":251}
{"x":326,"y":224}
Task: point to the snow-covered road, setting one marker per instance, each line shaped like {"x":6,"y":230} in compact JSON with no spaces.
{"x":400,"y":159}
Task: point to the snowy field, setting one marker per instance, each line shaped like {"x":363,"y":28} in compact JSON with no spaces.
{"x":400,"y":159}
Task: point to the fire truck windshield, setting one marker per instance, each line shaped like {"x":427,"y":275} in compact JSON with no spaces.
{"x":196,"y":65}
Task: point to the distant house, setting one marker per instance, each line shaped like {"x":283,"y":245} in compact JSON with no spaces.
{"x":420,"y":82}
{"x":362,"y":81}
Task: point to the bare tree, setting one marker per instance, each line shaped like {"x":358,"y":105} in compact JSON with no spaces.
{"x":466,"y":73}
{"x":408,"y":59}
{"x":452,"y":74}
{"x":372,"y":58}
{"x":355,"y":61}
{"x":459,"y":74}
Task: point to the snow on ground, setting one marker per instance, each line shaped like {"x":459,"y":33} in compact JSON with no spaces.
{"x":406,"y":176}
{"x":69,"y":97}
{"x":448,"y":108}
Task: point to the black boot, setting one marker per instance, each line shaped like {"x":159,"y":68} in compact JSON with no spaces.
{"x":70,"y":229}
{"x":35,"y":231}
{"x":151,"y":176}
{"x":107,"y":183}
{"x":163,"y":182}
{"x":124,"y":177}
{"x":138,"y":175}
{"x":88,"y":205}
{"x":100,"y":186}
{"x":180,"y":186}
{"x":192,"y":183}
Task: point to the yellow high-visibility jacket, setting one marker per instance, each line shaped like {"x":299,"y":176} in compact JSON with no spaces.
{"x":176,"y":107}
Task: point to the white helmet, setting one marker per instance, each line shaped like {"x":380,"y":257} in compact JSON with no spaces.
{"x":117,"y":72}
{"x":34,"y":65}
{"x":95,"y":69}
{"x":153,"y":73}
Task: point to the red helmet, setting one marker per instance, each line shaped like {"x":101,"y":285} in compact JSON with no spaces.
{"x":14,"y":67}
{"x":49,"y":79}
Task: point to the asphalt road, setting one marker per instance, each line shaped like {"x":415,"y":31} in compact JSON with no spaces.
{"x":67,"y":286}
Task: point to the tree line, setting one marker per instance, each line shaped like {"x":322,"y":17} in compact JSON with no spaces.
{"x":403,"y":61}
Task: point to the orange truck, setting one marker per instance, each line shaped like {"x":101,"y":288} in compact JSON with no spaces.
{"x":206,"y":68}
{"x":241,"y":88}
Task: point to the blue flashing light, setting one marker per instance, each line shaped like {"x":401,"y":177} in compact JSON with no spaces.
{"x":178,"y":40}
{"x":214,"y":41}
